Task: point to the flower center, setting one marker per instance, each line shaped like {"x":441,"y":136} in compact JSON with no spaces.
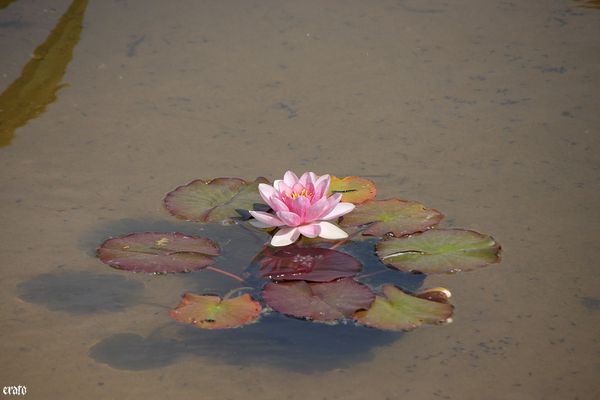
{"x":303,"y":193}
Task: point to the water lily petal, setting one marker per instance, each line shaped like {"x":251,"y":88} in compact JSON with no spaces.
{"x":339,"y":210}
{"x":322,"y":185}
{"x":278,"y":205}
{"x":331,"y":231}
{"x":284,"y":189}
{"x":301,"y":207}
{"x":267,"y":218}
{"x":289,"y":218}
{"x":285,"y":236}
{"x":304,"y":179}
{"x":266,"y":192}
{"x":276,"y":183}
{"x":297,"y":188}
{"x":290,"y":178}
{"x":332,"y":202}
{"x":317,"y":209}
{"x":310,"y":230}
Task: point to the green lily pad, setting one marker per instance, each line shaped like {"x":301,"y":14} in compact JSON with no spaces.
{"x":440,"y":251}
{"x":213,"y":312}
{"x":399,"y":311}
{"x":354,"y":189}
{"x":318,"y":301}
{"x":393,"y":216}
{"x":217,"y":200}
{"x":156,"y":252}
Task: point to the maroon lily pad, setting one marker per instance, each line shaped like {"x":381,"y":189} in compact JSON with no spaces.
{"x":318,"y":301}
{"x":156,"y":252}
{"x":216,"y":200}
{"x":399,"y":311}
{"x":308,"y":264}
{"x":354,"y":189}
{"x":212,"y":312}
{"x":440,"y":251}
{"x":393,"y":216}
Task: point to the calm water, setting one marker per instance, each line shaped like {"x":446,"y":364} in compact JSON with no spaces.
{"x":486,"y":110}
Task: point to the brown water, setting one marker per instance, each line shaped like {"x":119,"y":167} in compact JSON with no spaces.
{"x":486,"y":110}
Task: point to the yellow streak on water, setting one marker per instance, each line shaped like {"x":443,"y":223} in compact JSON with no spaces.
{"x":5,"y":3}
{"x":590,"y":4}
{"x":30,"y":94}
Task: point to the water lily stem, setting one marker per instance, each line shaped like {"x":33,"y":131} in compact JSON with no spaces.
{"x":229,"y":274}
{"x":371,"y":274}
{"x":232,"y":291}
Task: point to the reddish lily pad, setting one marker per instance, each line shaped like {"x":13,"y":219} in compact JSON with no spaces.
{"x":156,"y":252}
{"x":212,"y":312}
{"x":318,"y":301}
{"x":216,"y":200}
{"x":354,"y":189}
{"x":393,"y":216}
{"x":440,"y":251}
{"x":308,"y":264}
{"x":399,"y":311}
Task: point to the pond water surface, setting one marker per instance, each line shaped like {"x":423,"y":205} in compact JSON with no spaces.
{"x":485,"y":110}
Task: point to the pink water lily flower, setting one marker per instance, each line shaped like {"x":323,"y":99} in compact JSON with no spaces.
{"x":301,"y":207}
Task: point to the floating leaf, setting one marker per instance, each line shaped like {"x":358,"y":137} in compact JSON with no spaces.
{"x":395,"y":216}
{"x":308,"y":264}
{"x":215,"y":200}
{"x":354,"y":189}
{"x":399,"y":311}
{"x":439,"y":251}
{"x":212,"y":312}
{"x":318,"y":301}
{"x":156,"y":252}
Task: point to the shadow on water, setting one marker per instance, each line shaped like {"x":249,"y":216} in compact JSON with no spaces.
{"x":30,"y":94}
{"x":81,"y":292}
{"x":275,"y":341}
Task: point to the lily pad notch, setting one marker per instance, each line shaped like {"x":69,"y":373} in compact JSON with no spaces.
{"x":216,"y":200}
{"x":440,"y":251}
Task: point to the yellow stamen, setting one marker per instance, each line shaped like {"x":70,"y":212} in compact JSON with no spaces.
{"x":303,"y":193}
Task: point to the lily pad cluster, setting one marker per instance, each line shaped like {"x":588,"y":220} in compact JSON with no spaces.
{"x":314,"y":279}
